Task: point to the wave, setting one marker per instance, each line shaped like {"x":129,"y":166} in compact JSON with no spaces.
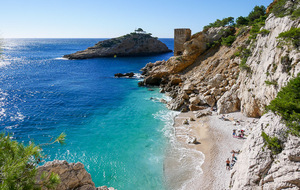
{"x":4,"y":63}
{"x":61,"y":58}
{"x":138,"y":76}
{"x":182,"y":166}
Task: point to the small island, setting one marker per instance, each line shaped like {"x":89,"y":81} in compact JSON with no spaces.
{"x":137,"y":43}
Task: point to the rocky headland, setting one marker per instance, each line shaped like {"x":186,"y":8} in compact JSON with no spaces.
{"x":244,"y":76}
{"x":72,"y":176}
{"x":133,"y":44}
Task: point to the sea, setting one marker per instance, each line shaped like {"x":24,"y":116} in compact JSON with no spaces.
{"x":119,"y":131}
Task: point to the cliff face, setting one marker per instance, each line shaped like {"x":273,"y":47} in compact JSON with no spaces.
{"x":133,"y":44}
{"x":258,"y":168}
{"x":267,"y":62}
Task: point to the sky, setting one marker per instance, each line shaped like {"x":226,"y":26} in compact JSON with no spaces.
{"x":113,"y":18}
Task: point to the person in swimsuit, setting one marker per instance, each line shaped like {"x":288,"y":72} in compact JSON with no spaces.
{"x":233,"y":157}
{"x":234,"y":132}
{"x":227,"y":164}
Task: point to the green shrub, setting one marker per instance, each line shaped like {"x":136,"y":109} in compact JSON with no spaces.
{"x":243,"y":66}
{"x":287,"y":105}
{"x":245,"y":53}
{"x":213,"y":44}
{"x":254,"y":31}
{"x":228,"y":40}
{"x":291,"y":36}
{"x":256,"y":26}
{"x":273,"y":143}
{"x":18,"y":165}
{"x":242,"y":21}
{"x":229,"y":21}
{"x":237,"y":53}
{"x":256,"y":13}
{"x":279,"y":9}
{"x":296,"y":14}
{"x":273,"y":82}
{"x":264,"y":32}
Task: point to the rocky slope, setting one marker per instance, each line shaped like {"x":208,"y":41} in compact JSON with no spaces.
{"x":72,"y":176}
{"x":220,"y":76}
{"x":205,"y":76}
{"x":202,"y":74}
{"x":134,"y":44}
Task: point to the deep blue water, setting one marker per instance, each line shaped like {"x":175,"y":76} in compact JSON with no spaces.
{"x":112,"y":126}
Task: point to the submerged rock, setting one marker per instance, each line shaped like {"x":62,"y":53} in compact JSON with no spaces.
{"x":134,"y":44}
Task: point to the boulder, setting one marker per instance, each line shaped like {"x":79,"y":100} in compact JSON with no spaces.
{"x":216,"y":81}
{"x":185,"y":96}
{"x":193,"y":107}
{"x":210,"y":100}
{"x":175,"y":104}
{"x":203,"y":113}
{"x":72,"y":176}
{"x":229,"y":102}
{"x":188,"y":87}
{"x":153,"y":81}
{"x":163,"y":101}
{"x":175,"y":81}
{"x":194,"y":100}
{"x":185,"y":122}
{"x":192,"y":140}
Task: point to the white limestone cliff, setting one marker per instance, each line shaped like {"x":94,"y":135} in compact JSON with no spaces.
{"x":258,"y":168}
{"x":266,"y":64}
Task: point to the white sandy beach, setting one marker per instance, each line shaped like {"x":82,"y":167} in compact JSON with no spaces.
{"x":215,"y":142}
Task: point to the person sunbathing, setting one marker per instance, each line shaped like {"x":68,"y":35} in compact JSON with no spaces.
{"x":242,"y":133}
{"x":235,"y":152}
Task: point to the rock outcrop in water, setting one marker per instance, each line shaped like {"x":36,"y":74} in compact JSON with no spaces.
{"x":72,"y":176}
{"x":134,"y":44}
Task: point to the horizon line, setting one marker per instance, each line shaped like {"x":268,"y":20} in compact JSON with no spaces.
{"x":68,"y":37}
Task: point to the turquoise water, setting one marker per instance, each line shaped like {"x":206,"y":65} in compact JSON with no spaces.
{"x":112,"y":125}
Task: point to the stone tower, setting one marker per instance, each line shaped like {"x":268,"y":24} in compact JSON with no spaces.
{"x":181,"y":35}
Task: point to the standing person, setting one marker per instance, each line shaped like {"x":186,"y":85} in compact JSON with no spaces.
{"x":227,"y":164}
{"x":233,"y":157}
{"x":234,"y":132}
